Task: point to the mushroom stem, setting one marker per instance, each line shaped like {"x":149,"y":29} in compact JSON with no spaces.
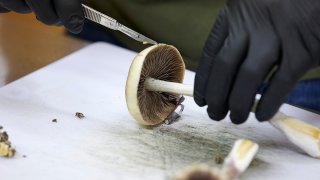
{"x":152,"y":84}
{"x":301,"y":134}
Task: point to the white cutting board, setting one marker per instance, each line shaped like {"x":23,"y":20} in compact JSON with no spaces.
{"x":108,"y":143}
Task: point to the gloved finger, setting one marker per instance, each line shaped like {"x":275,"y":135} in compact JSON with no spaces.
{"x":71,"y":14}
{"x":311,"y":41}
{"x":314,"y":18}
{"x":292,"y":67}
{"x":224,"y":70}
{"x":44,"y":11}
{"x":213,"y":45}
{"x":19,"y":6}
{"x":262,"y":56}
{"x":3,"y":10}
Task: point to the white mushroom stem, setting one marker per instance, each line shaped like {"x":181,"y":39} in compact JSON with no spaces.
{"x":239,"y":158}
{"x":152,"y":84}
{"x":299,"y":133}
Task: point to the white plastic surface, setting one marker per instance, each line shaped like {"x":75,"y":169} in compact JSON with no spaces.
{"x":108,"y":143}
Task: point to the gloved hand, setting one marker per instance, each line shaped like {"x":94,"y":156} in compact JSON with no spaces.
{"x":68,"y":13}
{"x":249,"y":38}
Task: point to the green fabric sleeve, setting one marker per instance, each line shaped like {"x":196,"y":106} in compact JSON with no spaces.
{"x":182,"y":23}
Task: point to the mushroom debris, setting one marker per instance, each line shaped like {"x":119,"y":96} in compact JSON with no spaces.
{"x":155,"y":81}
{"x":5,"y":145}
{"x":238,"y":160}
{"x":79,"y":115}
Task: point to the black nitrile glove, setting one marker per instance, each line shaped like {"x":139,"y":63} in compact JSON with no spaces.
{"x":68,"y":13}
{"x":249,"y":38}
{"x":2,"y":10}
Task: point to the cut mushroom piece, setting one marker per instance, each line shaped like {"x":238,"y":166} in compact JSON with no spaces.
{"x":238,"y":160}
{"x":155,"y":79}
{"x":301,"y":134}
{"x":197,"y":172}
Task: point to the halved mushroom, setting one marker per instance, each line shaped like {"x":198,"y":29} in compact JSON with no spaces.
{"x":155,"y":83}
{"x":161,"y":62}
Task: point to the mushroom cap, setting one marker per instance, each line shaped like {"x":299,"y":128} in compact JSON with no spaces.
{"x":199,"y":172}
{"x":162,"y":62}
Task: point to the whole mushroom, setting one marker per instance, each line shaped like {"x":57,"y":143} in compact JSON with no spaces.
{"x":155,"y":83}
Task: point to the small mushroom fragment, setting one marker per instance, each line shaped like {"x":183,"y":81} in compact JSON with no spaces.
{"x":234,"y":165}
{"x":155,"y":78}
{"x":6,"y":150}
{"x":5,"y":145}
{"x":198,"y":172}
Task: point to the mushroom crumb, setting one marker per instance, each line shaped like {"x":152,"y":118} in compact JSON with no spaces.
{"x":218,"y":159}
{"x":80,"y":115}
{"x":54,"y":120}
{"x":5,"y":145}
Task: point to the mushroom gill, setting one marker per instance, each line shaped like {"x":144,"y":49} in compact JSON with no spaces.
{"x":164,"y":62}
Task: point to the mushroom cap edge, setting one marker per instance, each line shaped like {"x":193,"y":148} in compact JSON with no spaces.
{"x":132,"y":85}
